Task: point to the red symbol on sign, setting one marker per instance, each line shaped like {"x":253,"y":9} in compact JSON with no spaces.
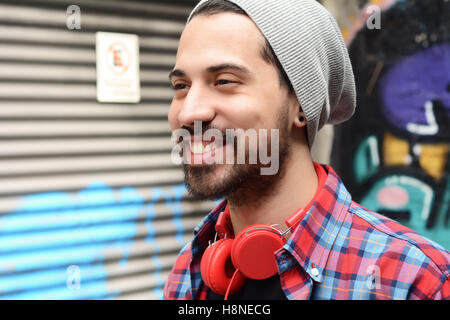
{"x":119,"y":58}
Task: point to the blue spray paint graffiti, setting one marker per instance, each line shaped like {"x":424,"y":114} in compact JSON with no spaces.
{"x":173,"y":201}
{"x":50,"y":231}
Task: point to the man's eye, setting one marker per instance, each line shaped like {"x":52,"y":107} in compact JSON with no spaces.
{"x":223,"y":81}
{"x":179,"y":86}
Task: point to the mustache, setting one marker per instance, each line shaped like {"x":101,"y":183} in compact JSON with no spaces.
{"x":204,"y":127}
{"x":178,"y":135}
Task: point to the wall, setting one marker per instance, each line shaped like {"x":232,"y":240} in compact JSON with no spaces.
{"x":91,"y":205}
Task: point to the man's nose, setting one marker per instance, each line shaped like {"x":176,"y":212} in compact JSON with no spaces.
{"x":197,"y":106}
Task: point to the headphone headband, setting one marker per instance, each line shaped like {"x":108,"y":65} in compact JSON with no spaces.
{"x":223,"y":225}
{"x":224,"y":228}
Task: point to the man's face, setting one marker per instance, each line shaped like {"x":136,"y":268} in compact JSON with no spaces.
{"x":222,"y":80}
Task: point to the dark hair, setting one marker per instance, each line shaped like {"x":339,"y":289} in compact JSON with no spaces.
{"x":219,"y":6}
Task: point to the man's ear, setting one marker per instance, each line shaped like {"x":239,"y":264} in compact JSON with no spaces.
{"x":300,"y":120}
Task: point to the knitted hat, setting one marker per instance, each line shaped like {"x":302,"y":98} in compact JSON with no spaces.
{"x":309,"y":45}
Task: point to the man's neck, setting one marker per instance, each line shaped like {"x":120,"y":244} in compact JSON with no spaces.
{"x":295,"y":190}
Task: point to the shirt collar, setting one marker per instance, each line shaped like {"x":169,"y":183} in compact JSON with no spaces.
{"x":312,"y":240}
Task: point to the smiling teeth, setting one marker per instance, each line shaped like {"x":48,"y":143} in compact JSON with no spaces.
{"x":199,"y":148}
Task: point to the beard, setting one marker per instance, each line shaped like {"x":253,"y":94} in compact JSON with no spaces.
{"x":239,"y":183}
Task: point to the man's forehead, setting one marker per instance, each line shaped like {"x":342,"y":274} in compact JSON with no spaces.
{"x":217,"y":41}
{"x":224,"y":31}
{"x":234,"y":22}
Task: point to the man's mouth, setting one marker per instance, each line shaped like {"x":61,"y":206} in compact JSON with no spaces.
{"x":205,"y":152}
{"x":202,"y":147}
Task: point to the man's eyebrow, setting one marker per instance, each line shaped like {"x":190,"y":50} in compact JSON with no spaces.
{"x":213,"y":69}
{"x":176,"y":73}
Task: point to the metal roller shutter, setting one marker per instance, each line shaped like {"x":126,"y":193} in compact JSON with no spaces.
{"x":91,"y":206}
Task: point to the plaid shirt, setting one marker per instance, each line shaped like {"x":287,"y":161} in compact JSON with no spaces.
{"x":340,"y":250}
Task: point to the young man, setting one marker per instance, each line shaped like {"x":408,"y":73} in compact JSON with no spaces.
{"x":280,"y":66}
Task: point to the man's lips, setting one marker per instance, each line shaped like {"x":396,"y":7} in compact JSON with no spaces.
{"x":200,"y":147}
{"x":205,"y":152}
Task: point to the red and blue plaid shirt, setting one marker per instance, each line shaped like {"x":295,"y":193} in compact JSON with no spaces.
{"x":340,"y":250}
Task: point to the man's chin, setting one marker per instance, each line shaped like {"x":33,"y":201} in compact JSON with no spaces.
{"x":206,"y":182}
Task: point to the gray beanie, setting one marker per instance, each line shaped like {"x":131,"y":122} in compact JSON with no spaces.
{"x":309,"y":45}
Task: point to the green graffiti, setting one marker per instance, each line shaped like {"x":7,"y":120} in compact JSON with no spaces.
{"x":367,"y":159}
{"x":417,"y":207}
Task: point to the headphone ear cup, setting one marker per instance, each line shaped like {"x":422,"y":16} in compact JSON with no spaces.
{"x":217,"y":268}
{"x":253,"y":251}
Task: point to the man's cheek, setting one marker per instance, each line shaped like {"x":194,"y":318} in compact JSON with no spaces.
{"x":173,"y":117}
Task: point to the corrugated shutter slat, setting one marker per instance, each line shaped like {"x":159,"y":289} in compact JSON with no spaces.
{"x":86,"y":186}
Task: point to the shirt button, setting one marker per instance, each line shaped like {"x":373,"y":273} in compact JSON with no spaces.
{"x":314,"y":272}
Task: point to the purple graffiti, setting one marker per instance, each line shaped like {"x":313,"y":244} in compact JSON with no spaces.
{"x":415,"y":93}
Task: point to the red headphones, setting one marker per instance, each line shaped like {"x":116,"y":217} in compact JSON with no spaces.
{"x":228,"y":262}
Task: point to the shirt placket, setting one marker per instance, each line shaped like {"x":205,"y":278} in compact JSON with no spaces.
{"x":295,"y":282}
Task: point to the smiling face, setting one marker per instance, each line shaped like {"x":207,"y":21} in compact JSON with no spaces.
{"x":221,"y":79}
